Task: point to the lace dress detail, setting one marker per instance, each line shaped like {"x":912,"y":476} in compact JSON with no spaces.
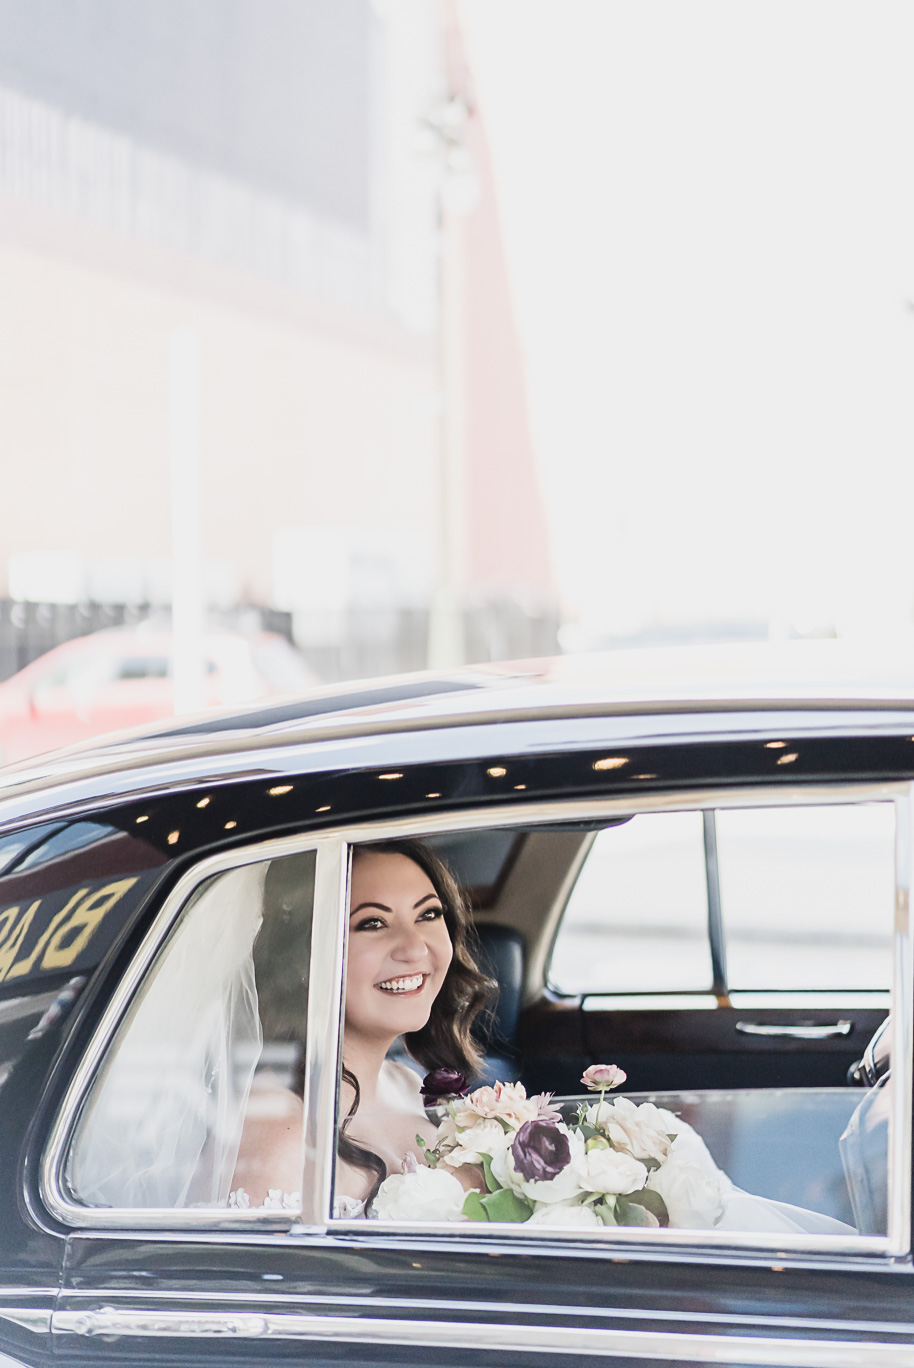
{"x":275,"y":1200}
{"x":344,"y":1208}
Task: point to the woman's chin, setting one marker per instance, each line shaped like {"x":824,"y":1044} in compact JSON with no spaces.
{"x":407,"y":1013}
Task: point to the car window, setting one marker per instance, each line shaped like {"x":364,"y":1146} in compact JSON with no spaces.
{"x":447,"y":1131}
{"x":637,"y":918}
{"x":209,"y":1057}
{"x":807,"y":895}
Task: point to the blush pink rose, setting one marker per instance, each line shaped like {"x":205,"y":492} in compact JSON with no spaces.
{"x":603,"y":1077}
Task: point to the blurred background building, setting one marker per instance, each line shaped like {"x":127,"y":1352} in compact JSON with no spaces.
{"x":306,"y":188}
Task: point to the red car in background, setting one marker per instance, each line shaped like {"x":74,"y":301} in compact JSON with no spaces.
{"x":121,"y":678}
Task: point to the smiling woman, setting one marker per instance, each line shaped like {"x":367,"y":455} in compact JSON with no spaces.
{"x":410,"y":975}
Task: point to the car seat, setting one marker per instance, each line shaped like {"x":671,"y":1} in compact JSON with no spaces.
{"x":499,"y":952}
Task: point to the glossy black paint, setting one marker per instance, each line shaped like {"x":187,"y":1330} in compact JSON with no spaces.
{"x":153,"y":836}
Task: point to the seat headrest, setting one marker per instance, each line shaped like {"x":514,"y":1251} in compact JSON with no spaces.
{"x":500,"y":955}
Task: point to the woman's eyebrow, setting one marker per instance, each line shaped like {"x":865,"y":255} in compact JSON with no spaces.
{"x":379,"y":906}
{"x":425,"y":900}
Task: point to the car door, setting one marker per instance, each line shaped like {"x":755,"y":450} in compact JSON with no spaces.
{"x":206,"y":1281}
{"x":67,"y":888}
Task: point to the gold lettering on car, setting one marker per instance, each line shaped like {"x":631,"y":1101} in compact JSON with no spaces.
{"x":84,"y":919}
{"x":64,"y":938}
{"x":24,"y":966}
{"x":11,"y":945}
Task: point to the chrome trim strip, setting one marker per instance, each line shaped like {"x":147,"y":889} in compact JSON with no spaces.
{"x":511,"y":814}
{"x":30,"y":1318}
{"x":755,"y":1028}
{"x":394,"y":1306}
{"x":53,"y":1187}
{"x":325,"y":995}
{"x":749,"y":1350}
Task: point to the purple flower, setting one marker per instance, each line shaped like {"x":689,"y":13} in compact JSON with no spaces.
{"x":540,"y":1151}
{"x":442,"y":1083}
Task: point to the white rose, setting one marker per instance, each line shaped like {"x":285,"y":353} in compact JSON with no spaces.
{"x":486,"y":1137}
{"x":564,"y":1214}
{"x":607,"y":1170}
{"x":640,"y":1130}
{"x":565,"y":1186}
{"x":446,"y":1134}
{"x":426,"y":1195}
{"x":693,"y":1196}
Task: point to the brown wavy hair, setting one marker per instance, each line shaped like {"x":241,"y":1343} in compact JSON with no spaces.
{"x":446,"y":1040}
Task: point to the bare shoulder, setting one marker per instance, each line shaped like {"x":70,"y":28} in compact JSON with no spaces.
{"x":401,"y":1078}
{"x":270,"y":1154}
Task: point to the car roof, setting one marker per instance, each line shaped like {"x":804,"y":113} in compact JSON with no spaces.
{"x":829,"y":676}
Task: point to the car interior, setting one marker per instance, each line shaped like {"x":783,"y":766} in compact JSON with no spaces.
{"x":771,"y":1102}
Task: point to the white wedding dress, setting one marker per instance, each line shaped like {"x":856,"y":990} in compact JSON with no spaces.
{"x":744,"y":1211}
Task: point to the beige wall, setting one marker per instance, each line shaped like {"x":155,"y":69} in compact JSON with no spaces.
{"x":311,"y":415}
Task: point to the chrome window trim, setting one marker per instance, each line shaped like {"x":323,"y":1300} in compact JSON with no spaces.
{"x":326,"y":969}
{"x":322,"y":1047}
{"x":898,"y":1239}
{"x":672,"y":1346}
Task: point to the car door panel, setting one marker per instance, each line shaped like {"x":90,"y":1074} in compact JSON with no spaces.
{"x":662,"y":1050}
{"x":297,"y":1299}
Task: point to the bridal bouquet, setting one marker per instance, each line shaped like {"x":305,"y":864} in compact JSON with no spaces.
{"x":615,"y":1164}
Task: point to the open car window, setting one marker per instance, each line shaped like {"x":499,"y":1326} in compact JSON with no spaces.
{"x":800,"y":1163}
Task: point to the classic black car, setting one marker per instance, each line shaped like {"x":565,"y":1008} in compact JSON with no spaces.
{"x":703,"y":882}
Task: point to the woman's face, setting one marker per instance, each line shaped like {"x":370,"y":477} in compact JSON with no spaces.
{"x":399,"y":947}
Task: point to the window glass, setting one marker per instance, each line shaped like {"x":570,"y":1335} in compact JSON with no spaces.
{"x":637,"y":920}
{"x":808,"y":896}
{"x":199,"y":1100}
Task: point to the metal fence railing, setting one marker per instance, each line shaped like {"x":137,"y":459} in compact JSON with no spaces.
{"x":368,"y":642}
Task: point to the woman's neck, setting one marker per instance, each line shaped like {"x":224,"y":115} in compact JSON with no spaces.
{"x":364,"y":1058}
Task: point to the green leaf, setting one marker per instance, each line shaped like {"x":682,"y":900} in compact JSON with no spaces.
{"x":506,"y":1205}
{"x":654,"y":1203}
{"x":588,"y":1131}
{"x":428,"y":1155}
{"x":492,"y":1182}
{"x":606,"y":1213}
{"x":473,"y":1207}
{"x":630,"y":1213}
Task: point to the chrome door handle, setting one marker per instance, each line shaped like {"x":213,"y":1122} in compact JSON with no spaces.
{"x":756,"y":1028}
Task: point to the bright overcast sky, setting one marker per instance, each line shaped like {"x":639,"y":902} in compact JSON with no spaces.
{"x":709,"y":214}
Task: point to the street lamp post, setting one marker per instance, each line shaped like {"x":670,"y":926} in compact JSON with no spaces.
{"x":456,"y":195}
